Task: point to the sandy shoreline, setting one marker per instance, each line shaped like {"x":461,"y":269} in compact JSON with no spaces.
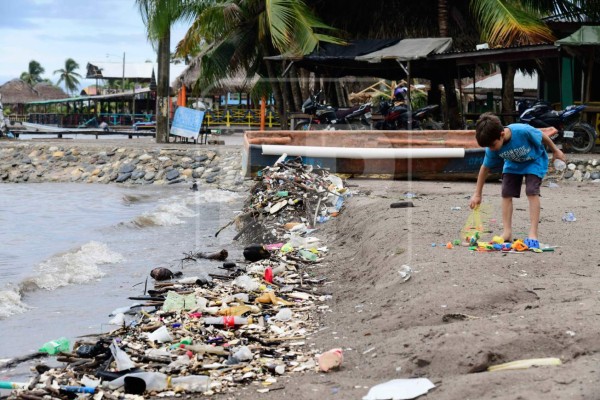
{"x":527,"y":305}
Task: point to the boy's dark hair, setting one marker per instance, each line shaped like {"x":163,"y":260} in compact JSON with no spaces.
{"x":488,"y":129}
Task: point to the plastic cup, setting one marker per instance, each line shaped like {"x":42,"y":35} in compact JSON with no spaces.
{"x":160,"y":335}
{"x":559,"y":165}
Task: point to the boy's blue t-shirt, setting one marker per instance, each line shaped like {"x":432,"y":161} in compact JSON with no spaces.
{"x":523,"y":154}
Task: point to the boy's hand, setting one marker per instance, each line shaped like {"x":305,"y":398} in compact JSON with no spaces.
{"x":475,"y":201}
{"x":558,"y":154}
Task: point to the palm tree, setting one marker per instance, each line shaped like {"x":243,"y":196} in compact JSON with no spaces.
{"x":505,"y":23}
{"x":159,"y":16}
{"x":33,"y":74}
{"x":69,"y":76}
{"x":240,"y":33}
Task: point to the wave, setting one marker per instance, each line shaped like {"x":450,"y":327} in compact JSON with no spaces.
{"x":11,"y":303}
{"x":75,"y":267}
{"x":214,"y":196}
{"x":178,"y":207}
{"x":164,"y":215}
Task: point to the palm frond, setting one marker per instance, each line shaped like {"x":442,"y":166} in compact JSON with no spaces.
{"x":506,"y":23}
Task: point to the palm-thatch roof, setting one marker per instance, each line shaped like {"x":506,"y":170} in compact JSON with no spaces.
{"x":47,"y":91}
{"x":233,"y":84}
{"x":17,"y":91}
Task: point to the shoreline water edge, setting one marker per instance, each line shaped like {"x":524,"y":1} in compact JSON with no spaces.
{"x":372,"y":296}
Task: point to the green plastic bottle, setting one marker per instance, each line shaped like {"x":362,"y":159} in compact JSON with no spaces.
{"x":60,"y":345}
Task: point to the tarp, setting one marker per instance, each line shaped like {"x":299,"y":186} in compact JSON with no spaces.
{"x":584,"y":36}
{"x":374,"y":58}
{"x":408,"y":49}
{"x":522,"y":82}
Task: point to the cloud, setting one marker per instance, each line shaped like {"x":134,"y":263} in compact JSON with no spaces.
{"x":50,"y":31}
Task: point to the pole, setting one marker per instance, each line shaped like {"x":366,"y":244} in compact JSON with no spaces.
{"x":123,"y":80}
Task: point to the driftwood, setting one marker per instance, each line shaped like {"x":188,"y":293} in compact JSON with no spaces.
{"x":218,"y":256}
{"x":19,"y":360}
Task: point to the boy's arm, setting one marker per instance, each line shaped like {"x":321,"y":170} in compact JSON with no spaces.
{"x":556,"y":152}
{"x":481,"y":177}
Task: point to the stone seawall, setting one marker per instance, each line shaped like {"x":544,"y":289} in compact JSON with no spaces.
{"x":126,"y":163}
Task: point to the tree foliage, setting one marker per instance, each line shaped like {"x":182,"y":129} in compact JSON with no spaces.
{"x":68,"y":75}
{"x":33,"y":74}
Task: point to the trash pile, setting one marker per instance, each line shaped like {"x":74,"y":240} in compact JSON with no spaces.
{"x":290,"y":192}
{"x":196,"y":335}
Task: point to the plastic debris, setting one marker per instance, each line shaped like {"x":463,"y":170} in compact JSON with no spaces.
{"x":569,"y":217}
{"x":405,"y":272}
{"x":331,"y":359}
{"x":214,"y":333}
{"x":524,"y":364}
{"x":400,"y":389}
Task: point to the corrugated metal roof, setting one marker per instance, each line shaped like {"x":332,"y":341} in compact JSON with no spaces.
{"x":114,"y":70}
{"x":125,"y":95}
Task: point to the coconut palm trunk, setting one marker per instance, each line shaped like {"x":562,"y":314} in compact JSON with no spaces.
{"x":162,"y":89}
{"x":508,"y":91}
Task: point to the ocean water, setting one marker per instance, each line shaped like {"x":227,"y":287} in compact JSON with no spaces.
{"x":70,"y":254}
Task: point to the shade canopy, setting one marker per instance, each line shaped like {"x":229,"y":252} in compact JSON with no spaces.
{"x":408,"y":49}
{"x":584,"y":36}
{"x":374,"y":58}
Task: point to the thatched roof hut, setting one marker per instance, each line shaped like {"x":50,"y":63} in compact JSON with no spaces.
{"x":232,"y":84}
{"x":47,"y":91}
{"x":17,"y":92}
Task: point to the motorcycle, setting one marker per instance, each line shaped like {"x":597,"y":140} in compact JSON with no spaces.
{"x":572,"y":134}
{"x":395,"y":117}
{"x":324,"y":116}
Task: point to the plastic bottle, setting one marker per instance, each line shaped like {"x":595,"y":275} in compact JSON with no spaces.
{"x":559,"y":165}
{"x":13,"y":385}
{"x":229,"y":322}
{"x":205,"y":348}
{"x":79,"y":389}
{"x":191,"y":383}
{"x":59,"y":345}
{"x":155,"y":381}
{"x":569,"y":217}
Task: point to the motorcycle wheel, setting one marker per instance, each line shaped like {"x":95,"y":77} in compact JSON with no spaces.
{"x":304,"y":126}
{"x":584,"y":137}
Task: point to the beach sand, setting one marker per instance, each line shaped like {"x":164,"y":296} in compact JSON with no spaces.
{"x":524,"y":305}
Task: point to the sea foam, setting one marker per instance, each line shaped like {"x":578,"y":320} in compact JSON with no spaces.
{"x":76,"y":267}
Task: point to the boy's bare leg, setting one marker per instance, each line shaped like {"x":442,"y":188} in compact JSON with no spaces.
{"x":534,"y":215}
{"x":507,"y":212}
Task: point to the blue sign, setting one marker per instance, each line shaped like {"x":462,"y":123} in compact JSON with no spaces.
{"x":187,"y":122}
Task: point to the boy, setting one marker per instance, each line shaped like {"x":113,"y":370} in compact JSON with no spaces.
{"x":522,"y":148}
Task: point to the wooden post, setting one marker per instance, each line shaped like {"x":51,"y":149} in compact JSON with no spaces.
{"x":263,"y":110}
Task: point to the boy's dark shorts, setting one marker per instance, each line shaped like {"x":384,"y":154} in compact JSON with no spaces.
{"x":511,"y":185}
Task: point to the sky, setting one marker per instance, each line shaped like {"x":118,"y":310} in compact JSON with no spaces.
{"x":51,"y":31}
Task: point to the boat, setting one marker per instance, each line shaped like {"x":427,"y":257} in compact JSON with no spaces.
{"x":420,"y":155}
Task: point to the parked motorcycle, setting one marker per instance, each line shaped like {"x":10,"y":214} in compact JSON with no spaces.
{"x":324,"y":116}
{"x":572,"y":134}
{"x":395,"y":117}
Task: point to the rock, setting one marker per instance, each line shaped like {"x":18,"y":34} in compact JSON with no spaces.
{"x":145,"y":157}
{"x":172,"y":174}
{"x":211,"y":178}
{"x":137,"y":174}
{"x":187,"y":172}
{"x":568,"y":174}
{"x":149,"y":175}
{"x":578,"y":175}
{"x":126,"y":168}
{"x":58,"y":154}
{"x":571,"y":166}
{"x":595,"y":175}
{"x":123,"y":177}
